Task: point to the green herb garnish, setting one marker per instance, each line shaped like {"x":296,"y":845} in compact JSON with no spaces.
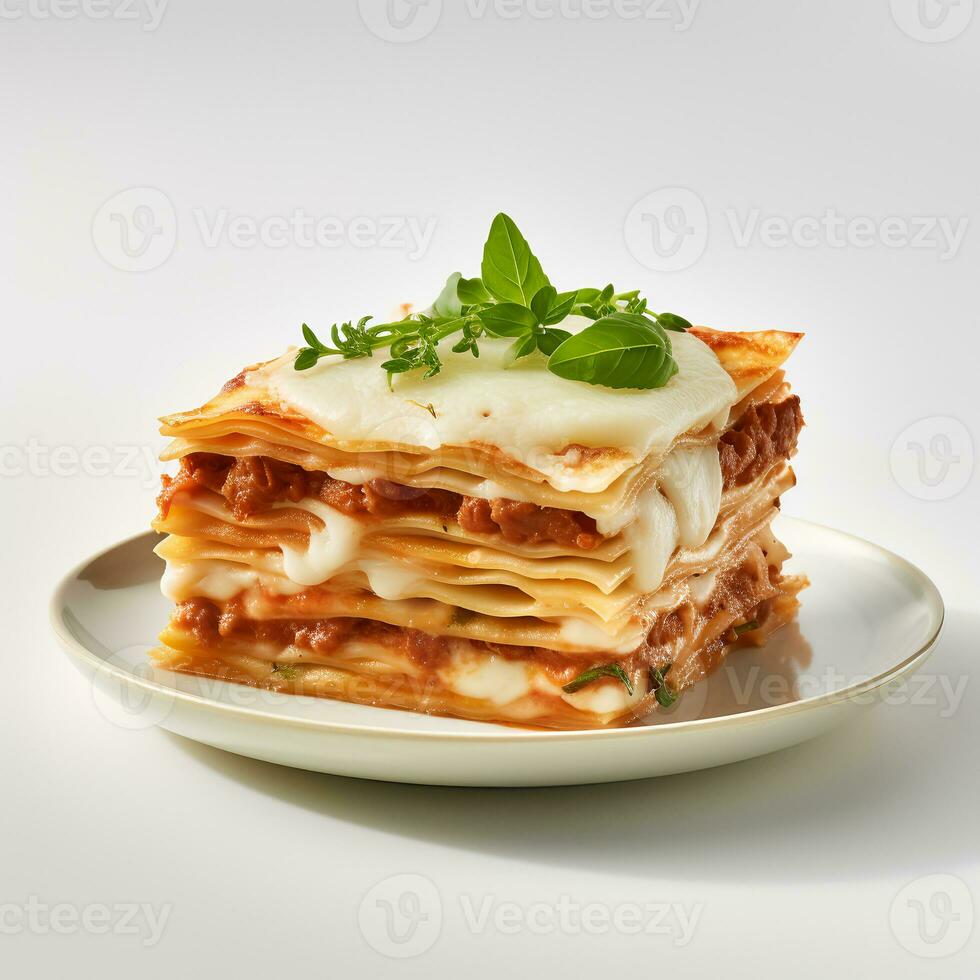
{"x":619,"y":350}
{"x":752,"y":624}
{"x":428,"y":406}
{"x":594,"y":673}
{"x":511,"y":271}
{"x":658,"y":684}
{"x":286,"y":671}
{"x":626,"y":347}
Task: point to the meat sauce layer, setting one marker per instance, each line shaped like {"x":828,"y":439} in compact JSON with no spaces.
{"x":739,"y":590}
{"x":251,"y":484}
{"x":762,"y":435}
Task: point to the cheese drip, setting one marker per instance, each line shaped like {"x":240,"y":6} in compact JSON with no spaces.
{"x":329,"y":549}
{"x":681,"y":509}
{"x":691,"y":480}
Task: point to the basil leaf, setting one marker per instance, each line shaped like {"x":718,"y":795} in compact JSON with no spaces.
{"x":305,"y":359}
{"x":594,"y":673}
{"x":619,"y":350}
{"x":520,"y":348}
{"x":510,"y":271}
{"x":550,"y":306}
{"x":671,"y":321}
{"x":542,"y":301}
{"x":563,"y":306}
{"x":472,"y":292}
{"x":507,"y":319}
{"x":550,"y":339}
{"x":448,"y":303}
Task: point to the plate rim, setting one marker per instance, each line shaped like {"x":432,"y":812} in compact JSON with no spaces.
{"x":86,"y":658}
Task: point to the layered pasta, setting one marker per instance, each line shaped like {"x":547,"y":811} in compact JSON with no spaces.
{"x":494,"y":543}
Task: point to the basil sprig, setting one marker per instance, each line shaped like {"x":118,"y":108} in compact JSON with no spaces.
{"x":627,"y":345}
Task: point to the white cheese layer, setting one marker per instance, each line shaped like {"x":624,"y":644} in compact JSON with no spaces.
{"x":218,"y":580}
{"x":330,"y":548}
{"x":681,"y":508}
{"x":609,"y":697}
{"x":579,"y":633}
{"x":503,"y":681}
{"x":691,"y":480}
{"x":652,"y":537}
{"x":524,"y":410}
{"x":490,"y":677}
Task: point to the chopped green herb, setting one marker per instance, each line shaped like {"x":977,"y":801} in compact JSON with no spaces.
{"x":595,"y":673}
{"x":286,"y":671}
{"x":658,"y":684}
{"x":428,"y":406}
{"x":746,"y":627}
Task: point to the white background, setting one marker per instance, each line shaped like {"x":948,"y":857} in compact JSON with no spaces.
{"x":253,"y":110}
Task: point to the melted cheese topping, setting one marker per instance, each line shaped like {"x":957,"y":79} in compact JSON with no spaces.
{"x":524,"y":410}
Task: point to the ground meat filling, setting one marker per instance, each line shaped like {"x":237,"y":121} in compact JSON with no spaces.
{"x":250,"y":484}
{"x":525,"y":523}
{"x":762,"y":435}
{"x":210,"y":623}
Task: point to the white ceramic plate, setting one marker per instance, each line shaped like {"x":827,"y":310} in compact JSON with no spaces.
{"x":869,"y":619}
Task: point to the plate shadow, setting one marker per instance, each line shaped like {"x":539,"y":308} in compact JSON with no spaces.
{"x":884,"y":794}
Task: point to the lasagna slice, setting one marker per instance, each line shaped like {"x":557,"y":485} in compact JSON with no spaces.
{"x":493,"y":543}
